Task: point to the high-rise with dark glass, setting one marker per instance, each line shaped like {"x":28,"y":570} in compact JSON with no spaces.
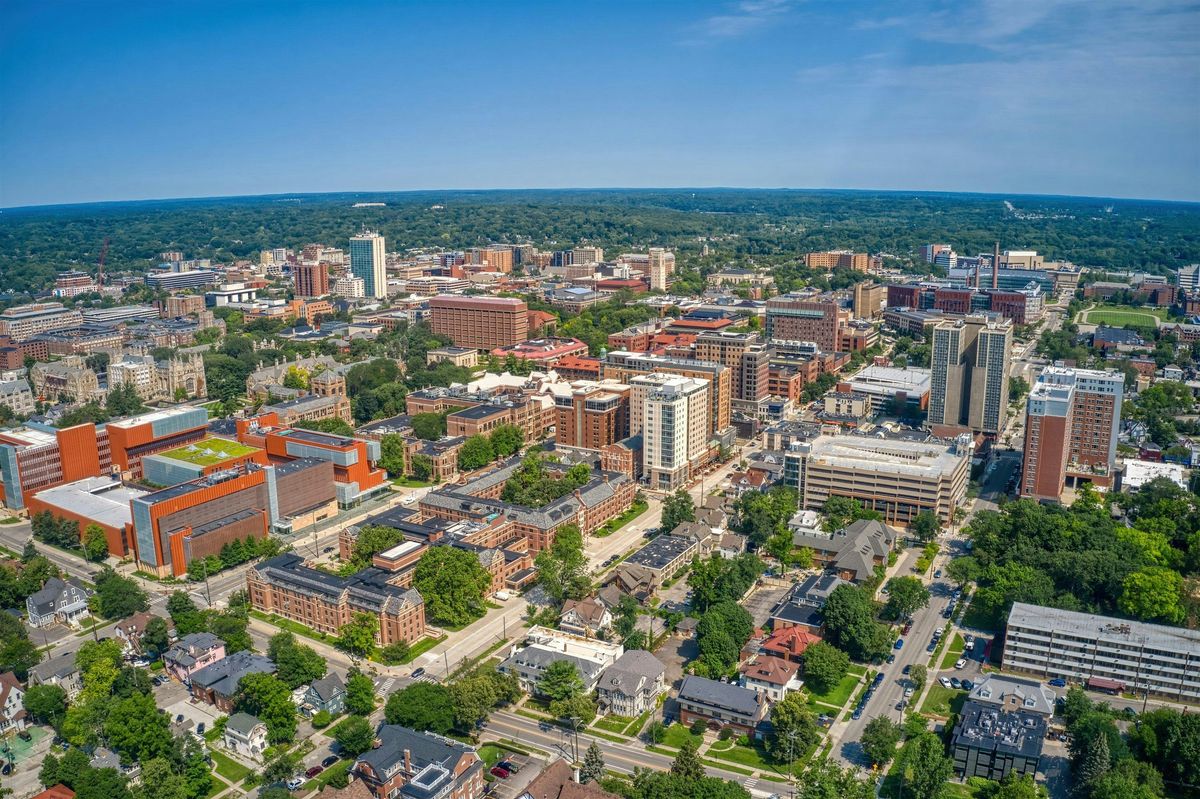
{"x":368,"y":261}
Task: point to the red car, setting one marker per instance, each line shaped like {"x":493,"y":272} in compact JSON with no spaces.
{"x":314,"y":771}
{"x":502,"y":773}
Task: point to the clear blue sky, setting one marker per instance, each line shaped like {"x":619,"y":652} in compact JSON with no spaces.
{"x":124,"y":100}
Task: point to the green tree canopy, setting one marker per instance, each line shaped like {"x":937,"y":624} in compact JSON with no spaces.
{"x":452,"y":583}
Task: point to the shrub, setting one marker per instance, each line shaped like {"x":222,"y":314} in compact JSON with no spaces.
{"x":725,"y":734}
{"x":321,"y":719}
{"x":698,"y":726}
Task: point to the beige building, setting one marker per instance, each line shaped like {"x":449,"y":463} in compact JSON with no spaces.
{"x":671,"y":413}
{"x":869,"y":299}
{"x":179,"y":377}
{"x":969,"y":365}
{"x":25,"y":321}
{"x":459,"y":356}
{"x":660,"y":265}
{"x":587,"y":255}
{"x":70,"y":378}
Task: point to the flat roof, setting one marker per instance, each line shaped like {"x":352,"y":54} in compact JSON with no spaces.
{"x":1070,"y":622}
{"x":104,"y":500}
{"x":153,"y":416}
{"x":400,"y":550}
{"x":869,"y":454}
{"x":208,"y":452}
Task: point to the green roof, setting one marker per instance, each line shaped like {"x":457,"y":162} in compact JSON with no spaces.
{"x":208,"y":452}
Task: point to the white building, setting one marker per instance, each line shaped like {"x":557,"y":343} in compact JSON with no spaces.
{"x":245,"y":735}
{"x":368,"y":260}
{"x":671,"y":413}
{"x":1137,"y":473}
{"x":350,"y":286}
{"x":661,"y":264}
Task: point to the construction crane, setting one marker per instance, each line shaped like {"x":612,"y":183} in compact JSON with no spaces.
{"x":103,"y":255}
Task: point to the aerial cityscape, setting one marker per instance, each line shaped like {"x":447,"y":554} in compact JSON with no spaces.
{"x":399,"y":459}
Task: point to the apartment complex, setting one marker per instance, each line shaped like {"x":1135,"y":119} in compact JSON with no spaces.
{"x":285,"y":586}
{"x":899,"y":477}
{"x":814,"y":318}
{"x":625,"y":366}
{"x":482,"y":323}
{"x":312,"y":279}
{"x":368,"y":261}
{"x":1133,"y":655}
{"x":1072,"y":418}
{"x":592,"y":415}
{"x":671,"y":413}
{"x":747,"y":357}
{"x":25,"y":321}
{"x":969,"y":368}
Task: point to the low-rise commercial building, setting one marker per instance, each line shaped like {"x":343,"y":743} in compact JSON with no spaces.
{"x":992,"y":742}
{"x":853,"y":552}
{"x":885,"y":385}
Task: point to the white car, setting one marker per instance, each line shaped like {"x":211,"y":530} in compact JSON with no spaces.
{"x":908,"y":692}
{"x":945,"y":681}
{"x":294,"y":784}
{"x":961,"y":663}
{"x":408,"y":500}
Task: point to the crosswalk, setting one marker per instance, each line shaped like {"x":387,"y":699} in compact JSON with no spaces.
{"x":750,"y":783}
{"x":386,"y":686}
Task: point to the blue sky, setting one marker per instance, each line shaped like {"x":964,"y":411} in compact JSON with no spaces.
{"x":127,"y":100}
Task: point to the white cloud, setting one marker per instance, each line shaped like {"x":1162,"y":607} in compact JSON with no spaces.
{"x":739,"y":20}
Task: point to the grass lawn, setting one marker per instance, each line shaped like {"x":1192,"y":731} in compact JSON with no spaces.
{"x":291,"y":626}
{"x":9,"y":520}
{"x":612,"y":525}
{"x":857,"y":671}
{"x":409,"y":482}
{"x":839,"y":694}
{"x":491,"y":754}
{"x":227,"y":767}
{"x":976,"y":619}
{"x":615,"y":724}
{"x":637,"y":724}
{"x":208,"y":452}
{"x":942,"y":700}
{"x":1121,"y":315}
{"x":421,"y":647}
{"x":751,"y":756}
{"x":676,"y":734}
{"x":954,"y":652}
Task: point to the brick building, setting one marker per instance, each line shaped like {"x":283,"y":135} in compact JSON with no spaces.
{"x":480,"y":322}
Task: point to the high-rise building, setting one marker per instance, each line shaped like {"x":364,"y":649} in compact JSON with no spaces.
{"x":947,"y":259}
{"x":368,"y":260}
{"x":625,"y":366}
{"x":660,"y":266}
{"x":483,"y":323}
{"x":868,"y":300}
{"x":587,"y":255}
{"x":671,"y":413}
{"x":496,"y":258}
{"x":312,"y":279}
{"x":746,"y":356}
{"x":969,"y":368}
{"x":793,"y":317}
{"x":838,"y":259}
{"x":930,"y":251}
{"x":1071,"y":422}
{"x":592,"y":415}
{"x":1188,"y":277}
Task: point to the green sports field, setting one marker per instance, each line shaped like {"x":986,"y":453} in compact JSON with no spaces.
{"x":1120,"y":317}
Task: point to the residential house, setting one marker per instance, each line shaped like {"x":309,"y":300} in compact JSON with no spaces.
{"x":245,"y":735}
{"x":327,"y":693}
{"x":191,"y":653}
{"x":637,"y":581}
{"x":853,"y":552}
{"x":721,"y":704}
{"x":59,"y":670}
{"x":406,"y":763}
{"x":587,"y":617}
{"x":557,"y":781}
{"x":1014,"y":693}
{"x":59,"y":791}
{"x":631,"y":685}
{"x":65,"y":602}
{"x":131,"y":630}
{"x":730,"y":545}
{"x":789,"y":643}
{"x":544,"y":646}
{"x":610,"y":596}
{"x":801,"y":607}
{"x":771,"y":676}
{"x":217,"y":683}
{"x":12,"y":703}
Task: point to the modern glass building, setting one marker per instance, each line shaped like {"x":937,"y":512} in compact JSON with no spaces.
{"x":368,"y":261}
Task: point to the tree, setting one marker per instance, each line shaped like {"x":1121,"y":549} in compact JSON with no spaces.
{"x":266,"y":696}
{"x":850,"y":619}
{"x":1096,"y":763}
{"x":560,"y":681}
{"x":841,"y":511}
{"x":918,"y":676}
{"x":656,"y":733}
{"x":562,"y":567}
{"x":295,"y":664}
{"x":926,"y":767}
{"x":360,"y":694}
{"x":279,"y":768}
{"x":95,"y":543}
{"x":827,"y":781}
{"x":136,"y":730}
{"x":159,"y":781}
{"x":156,"y":637}
{"x":507,"y":440}
{"x":184,"y":614}
{"x":677,"y":508}
{"x":354,"y":735}
{"x":1127,"y":779}
{"x":421,"y":467}
{"x":117,"y":597}
{"x":925,"y":526}
{"x":593,"y":765}
{"x":476,"y":452}
{"x":17,"y":652}
{"x":103,"y":783}
{"x":906,"y":596}
{"x":452,"y":582}
{"x":230,"y":627}
{"x":1153,"y":594}
{"x":357,"y":636}
{"x":1015,"y":786}
{"x":395,"y":652}
{"x":963,"y":570}
{"x":370,"y":541}
{"x":879,"y":739}
{"x":391,"y":454}
{"x":579,"y":709}
{"x":472,"y":698}
{"x":793,"y":728}
{"x":429,"y":426}
{"x":46,"y":703}
{"x":421,"y":706}
{"x":824,"y":666}
{"x":687,"y":763}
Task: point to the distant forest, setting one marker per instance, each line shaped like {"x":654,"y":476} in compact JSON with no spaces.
{"x":741,"y":225}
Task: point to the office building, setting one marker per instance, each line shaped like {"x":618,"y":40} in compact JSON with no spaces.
{"x":25,"y":321}
{"x":166,"y":380}
{"x":968,"y":387}
{"x":745,"y":354}
{"x":312,"y":279}
{"x":930,"y":251}
{"x":482,"y":323}
{"x":592,"y":415}
{"x":587,"y":255}
{"x":72,"y":283}
{"x":671,"y":413}
{"x":1118,"y":654}
{"x":350,"y":287}
{"x":1072,"y":418}
{"x":542,"y":352}
{"x":494,"y":259}
{"x":368,"y":260}
{"x":171,"y":280}
{"x":721,"y":705}
{"x":899,"y":477}
{"x":868,"y":300}
{"x":797,"y":317}
{"x":1188,"y":277}
{"x":624,"y":366}
{"x":993,"y":742}
{"x":885,"y":386}
{"x":659,"y":266}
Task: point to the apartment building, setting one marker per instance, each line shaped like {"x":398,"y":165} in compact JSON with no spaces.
{"x":721,"y":705}
{"x":543,"y":646}
{"x":969,"y":367}
{"x":533,"y":414}
{"x":368,"y":261}
{"x":899,"y":477}
{"x":1072,"y":418}
{"x":747,"y":357}
{"x":286,"y":587}
{"x":592,"y":415}
{"x":26,"y":321}
{"x":625,"y":366}
{"x":495,"y":259}
{"x":671,"y":414}
{"x":422,"y":765}
{"x":312,"y":279}
{"x":800,"y":317}
{"x":482,"y":323}
{"x":838,"y":259}
{"x":1116,"y":653}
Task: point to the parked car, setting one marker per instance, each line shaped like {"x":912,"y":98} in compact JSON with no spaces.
{"x":891,"y":658}
{"x":497,"y":771}
{"x":937,"y":575}
{"x":509,"y":766}
{"x":907,"y":627}
{"x":314,"y":771}
{"x":932,"y":646}
{"x":878,"y":679}
{"x":907,"y":669}
{"x":908,"y":692}
{"x":955,"y":683}
{"x":24,"y":735}
{"x":200,"y":728}
{"x":944,"y":681}
{"x":179,"y":719}
{"x":294,"y":784}
{"x":900,"y":705}
{"x":1058,"y":682}
{"x":969,"y":646}
{"x":960,"y":663}
{"x":967,"y":685}
{"x":857,"y":714}
{"x":329,"y":761}
{"x":899,"y":644}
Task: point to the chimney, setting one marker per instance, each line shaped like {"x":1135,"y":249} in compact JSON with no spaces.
{"x":407,"y":762}
{"x":996,"y":266}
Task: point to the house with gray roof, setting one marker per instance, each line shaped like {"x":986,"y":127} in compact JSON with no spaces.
{"x":407,"y":764}
{"x":62,"y":601}
{"x":721,"y":704}
{"x":631,"y":685}
{"x":1014,"y":693}
{"x":245,"y":735}
{"x":191,"y":653}
{"x":59,"y":670}
{"x":217,"y":683}
{"x":853,"y":552}
{"x":801,"y":606}
{"x":327,"y":693}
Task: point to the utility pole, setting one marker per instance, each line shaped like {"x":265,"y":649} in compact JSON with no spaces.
{"x":207,"y":587}
{"x":575,"y":727}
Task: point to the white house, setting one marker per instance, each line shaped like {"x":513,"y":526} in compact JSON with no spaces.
{"x":245,"y":735}
{"x":631,"y":685}
{"x":12,"y":703}
{"x":770,"y":676}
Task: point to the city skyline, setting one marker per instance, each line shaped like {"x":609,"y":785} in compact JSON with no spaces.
{"x":132,"y":101}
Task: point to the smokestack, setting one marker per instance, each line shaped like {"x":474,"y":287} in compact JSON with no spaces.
{"x":407,"y":762}
{"x":996,"y":266}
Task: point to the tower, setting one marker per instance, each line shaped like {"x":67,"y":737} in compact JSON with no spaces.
{"x":368,"y":261}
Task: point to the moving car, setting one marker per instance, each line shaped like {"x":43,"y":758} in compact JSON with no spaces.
{"x":416,"y":673}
